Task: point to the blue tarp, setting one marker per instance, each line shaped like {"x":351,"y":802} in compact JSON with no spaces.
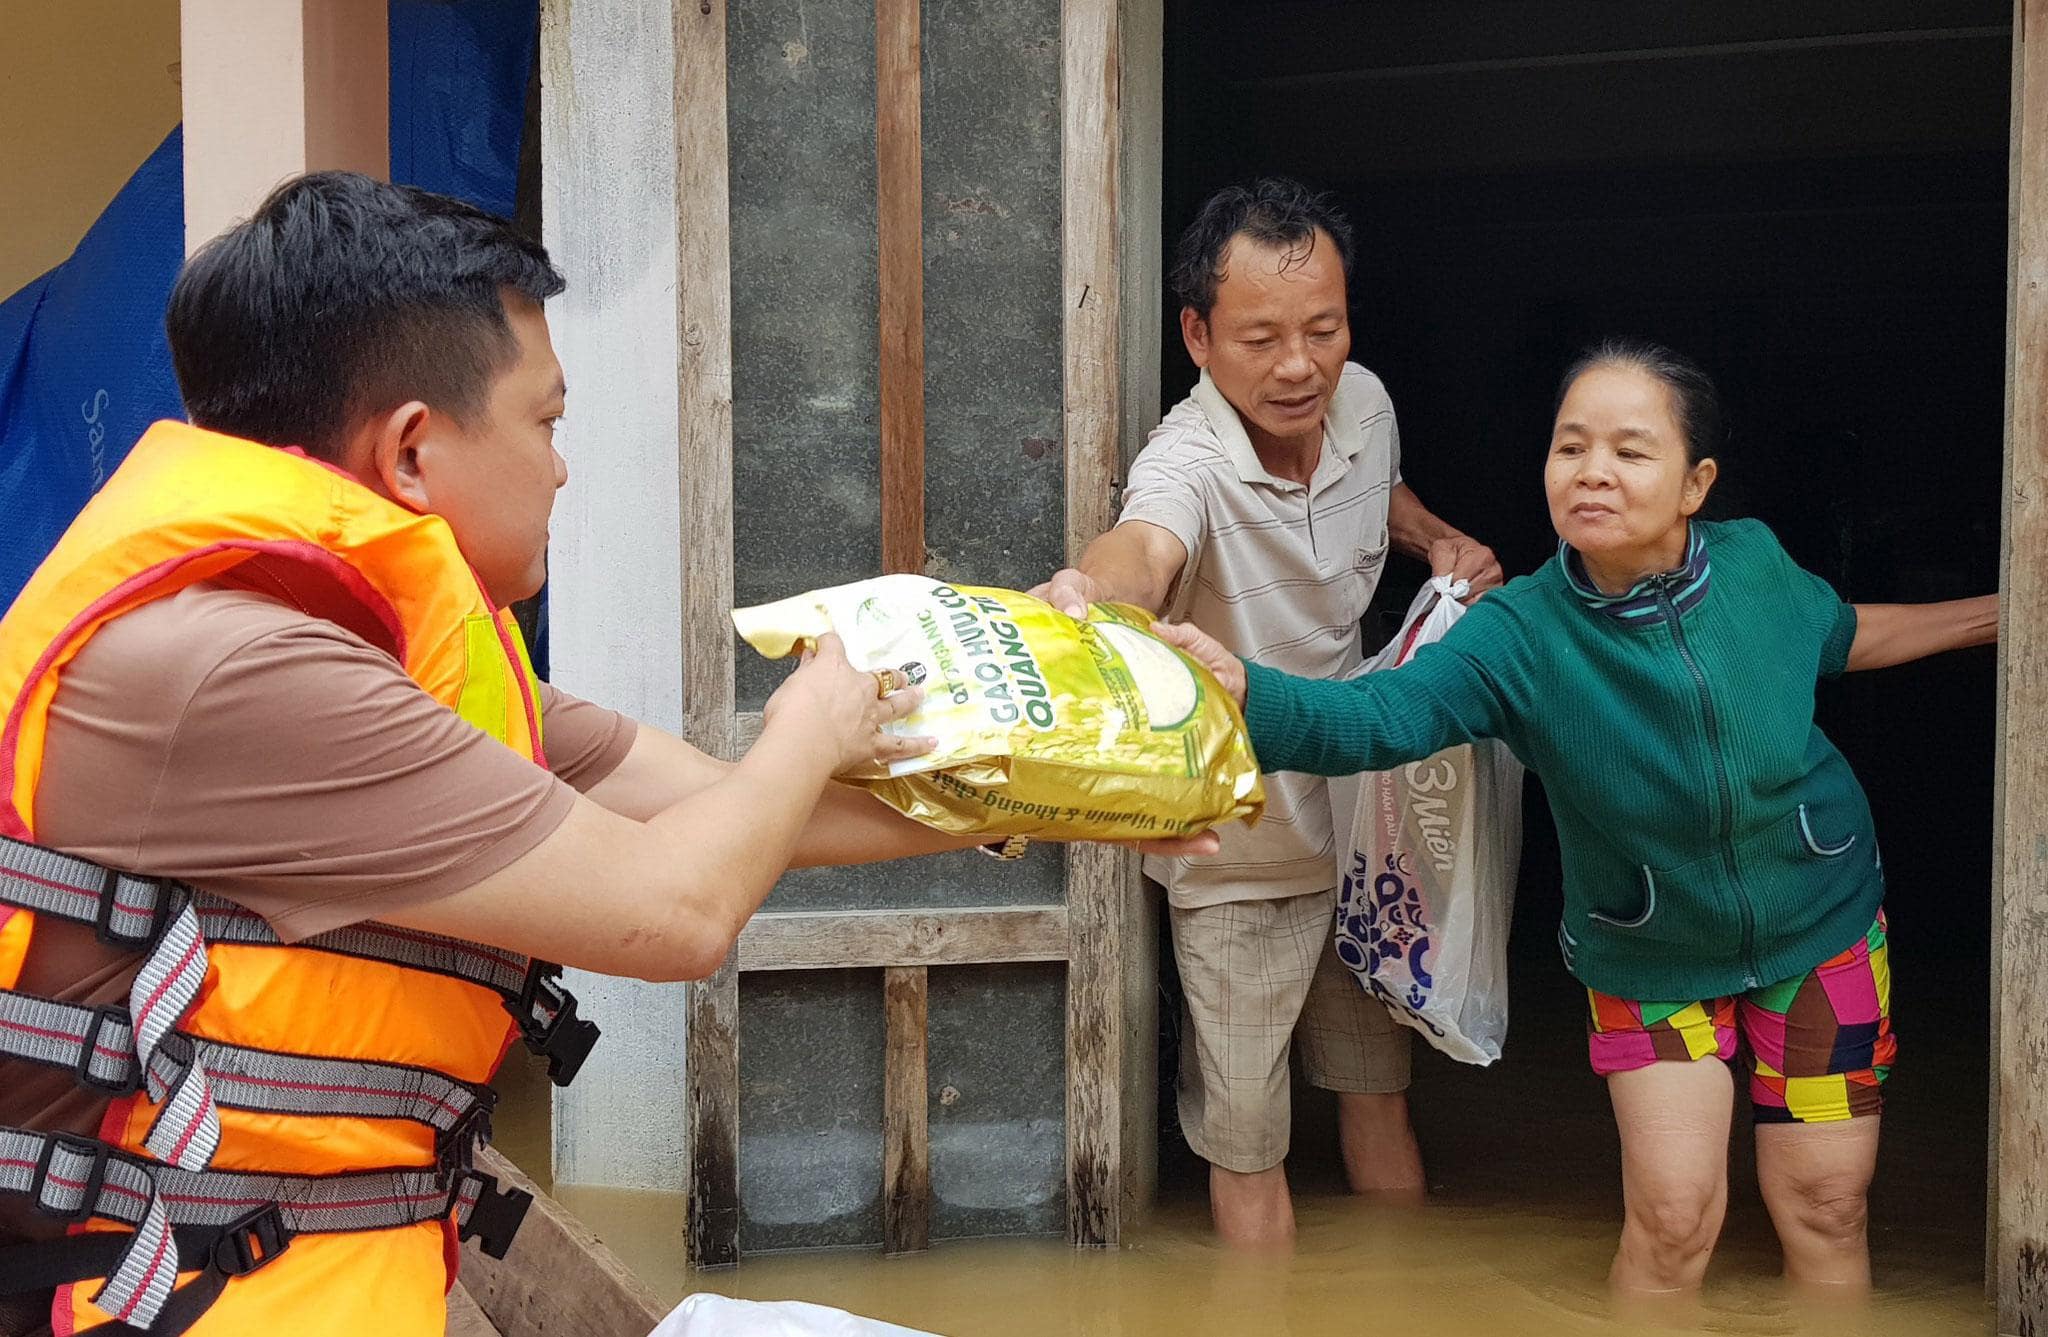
{"x":83,"y":363}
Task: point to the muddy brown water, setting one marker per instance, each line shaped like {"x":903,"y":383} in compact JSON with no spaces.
{"x":1450,"y":1268}
{"x":1516,"y":1239}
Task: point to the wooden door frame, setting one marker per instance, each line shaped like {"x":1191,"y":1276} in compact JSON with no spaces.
{"x":2017,"y":1229}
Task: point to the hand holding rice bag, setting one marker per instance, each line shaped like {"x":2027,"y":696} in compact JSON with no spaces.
{"x":1046,"y":726}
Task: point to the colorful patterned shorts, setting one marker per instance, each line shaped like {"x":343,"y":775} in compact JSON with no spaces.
{"x":1820,"y":1044}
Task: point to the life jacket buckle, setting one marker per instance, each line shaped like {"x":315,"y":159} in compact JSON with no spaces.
{"x":455,"y":1148}
{"x":130,"y":1080}
{"x":495,"y":1217}
{"x":252,"y":1242}
{"x":103,"y":915}
{"x":89,"y":1148}
{"x":547,"y":1019}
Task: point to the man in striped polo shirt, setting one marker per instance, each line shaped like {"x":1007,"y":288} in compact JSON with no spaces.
{"x":1262,"y":509}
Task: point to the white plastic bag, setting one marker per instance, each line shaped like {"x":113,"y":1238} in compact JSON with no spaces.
{"x":1429,"y":889}
{"x":708,"y":1315}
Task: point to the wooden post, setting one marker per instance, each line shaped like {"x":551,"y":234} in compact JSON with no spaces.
{"x":2020,"y":930}
{"x":1140,"y":177}
{"x":906,"y":1134}
{"x":704,"y":392}
{"x":274,"y":88}
{"x":899,"y":197}
{"x":1096,"y":876}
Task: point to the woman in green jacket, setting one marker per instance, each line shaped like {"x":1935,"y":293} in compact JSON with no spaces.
{"x":1721,"y":875}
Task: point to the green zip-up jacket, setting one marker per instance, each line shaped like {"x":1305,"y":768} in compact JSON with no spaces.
{"x":1713,"y":839}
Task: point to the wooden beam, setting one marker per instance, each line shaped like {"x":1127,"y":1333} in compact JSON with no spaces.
{"x":2020,"y":929}
{"x":840,"y":939}
{"x":899,"y":189}
{"x":906,"y":1136}
{"x":704,"y":387}
{"x":465,"y":1319}
{"x":1088,"y":262}
{"x":1140,"y":180}
{"x":1993,"y":1244}
{"x":1095,"y":886}
{"x":557,"y":1277}
{"x":1141,"y":176}
{"x":274,"y":89}
{"x":712,"y":1059}
{"x":704,"y":394}
{"x":1089,"y":132}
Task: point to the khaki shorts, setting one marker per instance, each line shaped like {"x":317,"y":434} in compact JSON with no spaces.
{"x":1259,"y":975}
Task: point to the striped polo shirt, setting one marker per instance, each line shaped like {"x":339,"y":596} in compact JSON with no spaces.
{"x":1281,"y":574}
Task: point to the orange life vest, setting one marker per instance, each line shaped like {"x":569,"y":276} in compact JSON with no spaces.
{"x":315,"y":1103}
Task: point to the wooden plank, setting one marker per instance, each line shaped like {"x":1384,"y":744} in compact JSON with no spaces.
{"x":1095,"y":881}
{"x":712,"y":1058}
{"x":1141,"y":174}
{"x":906,"y":1136}
{"x":1089,"y":132}
{"x":1140,"y":177}
{"x":1088,"y":262}
{"x":704,"y":394}
{"x":465,"y":1319}
{"x":899,"y":190}
{"x":704,"y":385}
{"x":829,"y":939}
{"x":557,"y":1277}
{"x":2020,"y":957}
{"x":2016,"y":104}
{"x":2019,"y":1092}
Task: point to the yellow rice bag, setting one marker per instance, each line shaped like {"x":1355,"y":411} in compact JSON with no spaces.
{"x":1046,"y":726}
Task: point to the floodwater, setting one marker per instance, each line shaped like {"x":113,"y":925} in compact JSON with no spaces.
{"x":1450,"y":1268}
{"x":1516,"y":1238}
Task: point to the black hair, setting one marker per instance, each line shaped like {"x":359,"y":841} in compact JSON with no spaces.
{"x":1273,"y":211}
{"x":344,"y":297}
{"x":1697,"y":402}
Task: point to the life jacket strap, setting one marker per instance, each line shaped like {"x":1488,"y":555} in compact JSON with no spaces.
{"x":253,"y":1216}
{"x":97,"y":1044}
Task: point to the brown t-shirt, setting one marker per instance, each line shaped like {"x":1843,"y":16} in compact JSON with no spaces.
{"x":229,"y":740}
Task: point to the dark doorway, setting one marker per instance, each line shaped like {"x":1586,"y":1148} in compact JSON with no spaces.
{"x":1809,"y":199}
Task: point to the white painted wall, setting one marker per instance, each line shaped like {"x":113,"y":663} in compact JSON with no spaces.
{"x":615,"y":583}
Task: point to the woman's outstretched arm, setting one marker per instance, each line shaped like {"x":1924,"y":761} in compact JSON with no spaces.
{"x":1374,"y":723}
{"x":1888,"y":634}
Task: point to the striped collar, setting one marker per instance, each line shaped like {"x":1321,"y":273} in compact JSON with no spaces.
{"x":1644,"y":602}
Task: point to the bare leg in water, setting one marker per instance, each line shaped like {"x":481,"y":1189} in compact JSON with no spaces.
{"x":1381,"y":1157}
{"x":1255,"y":1211}
{"x":1815,"y":1179}
{"x":1674,"y":1118}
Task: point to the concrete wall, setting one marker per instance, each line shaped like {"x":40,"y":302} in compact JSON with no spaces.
{"x":87,"y":89}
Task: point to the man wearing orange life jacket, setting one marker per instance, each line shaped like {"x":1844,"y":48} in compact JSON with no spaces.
{"x":279,"y":841}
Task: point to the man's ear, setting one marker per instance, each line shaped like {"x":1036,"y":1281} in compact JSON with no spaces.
{"x":395,"y":444}
{"x":1194,"y":332}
